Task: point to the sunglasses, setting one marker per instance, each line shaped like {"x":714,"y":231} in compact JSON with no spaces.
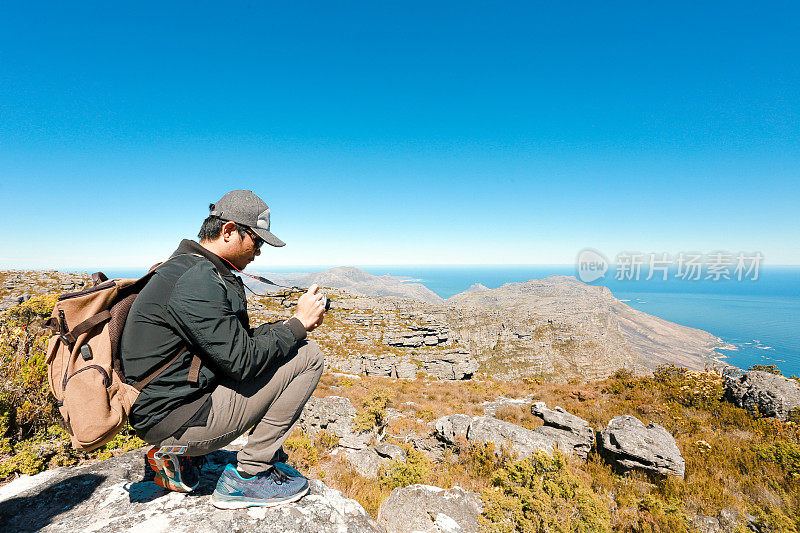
{"x":258,"y":242}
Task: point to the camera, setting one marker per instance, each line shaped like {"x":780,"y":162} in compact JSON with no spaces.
{"x":326,"y":302}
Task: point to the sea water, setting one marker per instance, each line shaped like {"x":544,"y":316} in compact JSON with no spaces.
{"x":759,"y":318}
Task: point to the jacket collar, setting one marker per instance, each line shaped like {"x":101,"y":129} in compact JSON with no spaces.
{"x":188,"y":246}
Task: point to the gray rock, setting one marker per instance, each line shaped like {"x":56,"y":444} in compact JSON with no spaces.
{"x":406,"y":370}
{"x":627,"y":443}
{"x":571,"y":432}
{"x":111,"y":496}
{"x":491,"y":408}
{"x":366,"y":461}
{"x":431,"y":447}
{"x":763,"y":393}
{"x":382,"y":367}
{"x":430,"y":509}
{"x":521,"y":441}
{"x":705,"y":524}
{"x":392,"y":451}
{"x":450,"y":364}
{"x":334,"y":414}
{"x":451,"y":428}
{"x":729,"y":520}
{"x":356,"y":441}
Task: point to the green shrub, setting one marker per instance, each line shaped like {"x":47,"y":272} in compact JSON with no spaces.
{"x":540,"y":494}
{"x":415,"y":469}
{"x":32,"y":311}
{"x":702,"y":390}
{"x":784,"y":454}
{"x":374,"y":411}
{"x":772,"y":369}
{"x":302,"y":451}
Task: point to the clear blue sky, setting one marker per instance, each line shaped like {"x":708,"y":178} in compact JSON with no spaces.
{"x":404,"y":132}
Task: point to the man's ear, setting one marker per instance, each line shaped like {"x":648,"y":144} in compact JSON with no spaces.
{"x":228,"y":229}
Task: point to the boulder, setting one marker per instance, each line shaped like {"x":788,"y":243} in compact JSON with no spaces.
{"x":112,"y":496}
{"x":705,"y":524}
{"x":627,"y":444}
{"x":519,"y":440}
{"x":430,"y":446}
{"x":422,"y":508}
{"x":356,"y":441}
{"x":334,"y":414}
{"x":451,"y":428}
{"x":391,"y":451}
{"x":366,"y":461}
{"x":763,"y":393}
{"x":570,"y":432}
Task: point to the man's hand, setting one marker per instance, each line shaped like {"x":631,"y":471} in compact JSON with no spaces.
{"x":310,"y":310}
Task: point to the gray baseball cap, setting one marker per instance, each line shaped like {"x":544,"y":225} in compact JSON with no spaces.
{"x":247,"y":209}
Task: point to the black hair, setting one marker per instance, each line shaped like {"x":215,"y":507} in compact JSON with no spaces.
{"x":212,"y":228}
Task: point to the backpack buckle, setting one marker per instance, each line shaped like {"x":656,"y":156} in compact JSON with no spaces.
{"x":166,"y":450}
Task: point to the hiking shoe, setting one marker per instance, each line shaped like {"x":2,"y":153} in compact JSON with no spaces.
{"x":174,"y":472}
{"x":265,"y":489}
{"x":288,"y":470}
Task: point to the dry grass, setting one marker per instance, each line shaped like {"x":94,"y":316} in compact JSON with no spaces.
{"x":726,"y":465}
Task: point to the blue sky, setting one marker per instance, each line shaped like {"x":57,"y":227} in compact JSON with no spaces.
{"x":400,"y":133}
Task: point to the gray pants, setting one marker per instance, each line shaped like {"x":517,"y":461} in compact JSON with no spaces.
{"x":270,"y":404}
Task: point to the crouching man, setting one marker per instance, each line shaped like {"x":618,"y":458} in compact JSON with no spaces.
{"x":222,"y":378}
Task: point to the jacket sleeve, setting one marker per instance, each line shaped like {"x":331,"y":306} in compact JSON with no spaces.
{"x":200,"y":306}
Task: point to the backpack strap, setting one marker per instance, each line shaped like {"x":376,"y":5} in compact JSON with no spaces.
{"x":71,"y":336}
{"x":139,"y":385}
{"x":194,"y":370}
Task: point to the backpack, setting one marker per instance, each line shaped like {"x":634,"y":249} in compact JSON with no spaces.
{"x":83,"y":362}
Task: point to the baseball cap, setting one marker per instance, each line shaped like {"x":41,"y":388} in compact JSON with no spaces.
{"x":247,"y":209}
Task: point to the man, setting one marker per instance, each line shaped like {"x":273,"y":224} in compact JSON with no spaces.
{"x":226,"y":378}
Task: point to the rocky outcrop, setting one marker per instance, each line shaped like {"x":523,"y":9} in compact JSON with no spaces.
{"x":570,"y":432}
{"x":366,"y":461}
{"x":452,"y":428}
{"x":452,"y":364}
{"x":417,"y":335}
{"x":391,"y":451}
{"x":561,"y":326}
{"x":20,"y":285}
{"x":521,"y":442}
{"x":112,"y":496}
{"x":762,"y":393}
{"x":561,"y":430}
{"x":333,"y":414}
{"x":628,"y":444}
{"x":422,"y":508}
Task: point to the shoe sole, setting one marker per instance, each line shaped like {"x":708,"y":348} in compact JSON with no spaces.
{"x":162,"y":467}
{"x":243,"y":504}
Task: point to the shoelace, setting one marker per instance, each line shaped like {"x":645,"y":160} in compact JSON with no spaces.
{"x":278,"y":476}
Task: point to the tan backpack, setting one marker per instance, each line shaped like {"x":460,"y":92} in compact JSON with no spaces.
{"x":83,"y":360}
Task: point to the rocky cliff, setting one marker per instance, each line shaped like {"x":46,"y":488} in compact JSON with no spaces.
{"x":354,"y":281}
{"x":557,"y":327}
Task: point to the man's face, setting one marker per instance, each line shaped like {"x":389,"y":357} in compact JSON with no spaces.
{"x":240,"y":250}
{"x":249,"y":249}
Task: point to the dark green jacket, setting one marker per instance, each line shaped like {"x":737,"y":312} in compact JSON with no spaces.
{"x":194,"y":300}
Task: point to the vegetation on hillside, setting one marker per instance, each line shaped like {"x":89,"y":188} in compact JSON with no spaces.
{"x":734,"y":461}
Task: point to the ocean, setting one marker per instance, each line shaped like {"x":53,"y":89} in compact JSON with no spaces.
{"x":760,"y":318}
